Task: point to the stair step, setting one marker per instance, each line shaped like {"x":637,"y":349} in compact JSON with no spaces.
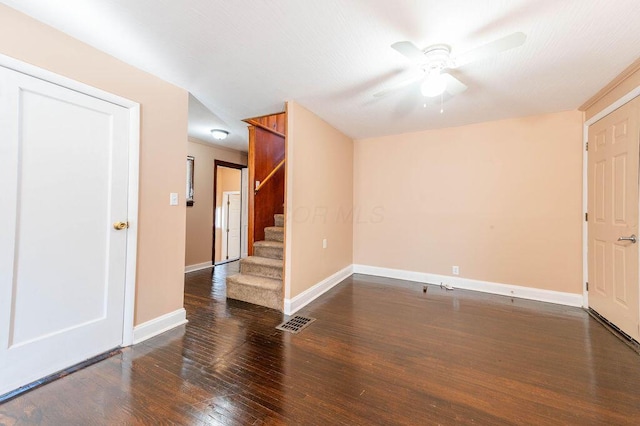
{"x":279,"y":219}
{"x":270,"y":249}
{"x":274,"y":233}
{"x":257,"y":290}
{"x":262,"y":267}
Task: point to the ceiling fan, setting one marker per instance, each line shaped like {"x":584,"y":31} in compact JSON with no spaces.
{"x":435,"y":61}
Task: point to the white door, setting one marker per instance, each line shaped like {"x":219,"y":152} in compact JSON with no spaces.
{"x":63,"y":184}
{"x":231,"y":218}
{"x":613,"y":217}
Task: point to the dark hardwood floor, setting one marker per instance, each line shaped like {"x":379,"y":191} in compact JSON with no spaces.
{"x":381,"y":352}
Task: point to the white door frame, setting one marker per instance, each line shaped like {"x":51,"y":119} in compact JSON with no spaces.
{"x":133,"y":170}
{"x":244,"y":219}
{"x":223,"y":245}
{"x":585,"y":184}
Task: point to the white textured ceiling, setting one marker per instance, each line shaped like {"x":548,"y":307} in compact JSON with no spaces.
{"x":244,"y":58}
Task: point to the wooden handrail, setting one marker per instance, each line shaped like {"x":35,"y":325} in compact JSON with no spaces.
{"x":269,"y":176}
{"x":263,"y":127}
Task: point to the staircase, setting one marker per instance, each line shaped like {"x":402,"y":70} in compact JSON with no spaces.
{"x":260,"y":278}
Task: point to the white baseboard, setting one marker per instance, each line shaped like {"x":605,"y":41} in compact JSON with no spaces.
{"x":303,"y":299}
{"x":198,"y":266}
{"x":159,"y":325}
{"x":541,"y":295}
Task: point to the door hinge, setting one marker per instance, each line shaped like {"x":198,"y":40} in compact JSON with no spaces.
{"x":587,"y":285}
{"x":586,"y":146}
{"x":586,"y":217}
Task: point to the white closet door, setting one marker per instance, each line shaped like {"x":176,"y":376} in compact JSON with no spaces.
{"x":63,"y":184}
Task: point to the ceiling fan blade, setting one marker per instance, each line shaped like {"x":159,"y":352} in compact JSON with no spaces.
{"x":409,"y":50}
{"x":454,"y":86}
{"x":397,"y":86}
{"x":490,"y":49}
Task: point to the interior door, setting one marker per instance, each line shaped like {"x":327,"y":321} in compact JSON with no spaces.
{"x":231,"y":225}
{"x":63,"y":184}
{"x":613,"y":217}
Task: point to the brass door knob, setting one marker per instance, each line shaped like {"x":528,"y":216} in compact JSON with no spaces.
{"x":119,"y":226}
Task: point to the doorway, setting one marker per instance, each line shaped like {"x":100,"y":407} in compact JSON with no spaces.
{"x":229,"y":191}
{"x":612,"y":225}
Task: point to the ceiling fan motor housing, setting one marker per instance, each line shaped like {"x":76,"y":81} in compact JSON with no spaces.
{"x":437,"y":57}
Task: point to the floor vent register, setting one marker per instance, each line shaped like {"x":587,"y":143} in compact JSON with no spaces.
{"x":295,"y":324}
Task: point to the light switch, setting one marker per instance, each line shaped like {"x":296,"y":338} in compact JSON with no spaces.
{"x":173,"y":199}
{"x":324,"y":243}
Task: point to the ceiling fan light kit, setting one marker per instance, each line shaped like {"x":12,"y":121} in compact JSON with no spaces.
{"x":433,"y":85}
{"x":436,"y":60}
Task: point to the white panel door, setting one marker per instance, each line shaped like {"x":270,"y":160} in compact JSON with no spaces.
{"x":613,"y":217}
{"x":231,"y":223}
{"x":63,"y":184}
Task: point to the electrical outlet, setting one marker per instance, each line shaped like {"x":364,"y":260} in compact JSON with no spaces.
{"x":456,"y":270}
{"x":173,"y":199}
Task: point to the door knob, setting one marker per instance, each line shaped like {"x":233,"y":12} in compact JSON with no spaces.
{"x":632,"y":238}
{"x":119,"y":226}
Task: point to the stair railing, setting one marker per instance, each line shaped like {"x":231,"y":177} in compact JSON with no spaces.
{"x":269,"y":176}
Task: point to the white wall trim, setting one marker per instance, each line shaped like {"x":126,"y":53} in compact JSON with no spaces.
{"x":631,"y":95}
{"x":198,"y":266}
{"x":244,"y":212}
{"x":585,"y":208}
{"x":288,"y":202}
{"x":159,"y":325}
{"x":132,"y":231}
{"x":309,"y":295}
{"x":43,"y":74}
{"x":134,"y":171}
{"x":541,"y":295}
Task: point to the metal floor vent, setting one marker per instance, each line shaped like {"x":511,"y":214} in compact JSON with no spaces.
{"x":296,"y":324}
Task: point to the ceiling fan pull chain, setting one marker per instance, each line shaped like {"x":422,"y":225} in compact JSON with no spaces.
{"x":441,"y":102}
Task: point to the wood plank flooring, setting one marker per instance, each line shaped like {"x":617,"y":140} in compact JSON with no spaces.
{"x":381,"y":352}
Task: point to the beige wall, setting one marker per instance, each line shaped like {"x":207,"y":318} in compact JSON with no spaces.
{"x":502,"y":200}
{"x":319,"y":200}
{"x":200,"y":217}
{"x":159,"y":288}
{"x":228,"y":180}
